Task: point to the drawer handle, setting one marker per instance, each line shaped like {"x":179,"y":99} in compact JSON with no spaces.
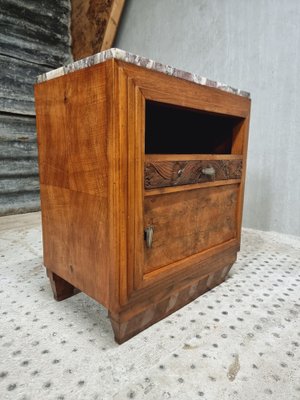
{"x":149,"y":236}
{"x":210,"y":171}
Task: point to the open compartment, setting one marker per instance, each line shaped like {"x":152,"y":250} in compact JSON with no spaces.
{"x":171,"y":129}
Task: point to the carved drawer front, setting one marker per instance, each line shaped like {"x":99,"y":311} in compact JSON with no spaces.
{"x":174,"y":173}
{"x":180,"y":224}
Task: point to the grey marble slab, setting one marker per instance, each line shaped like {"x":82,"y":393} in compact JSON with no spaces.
{"x":122,"y":55}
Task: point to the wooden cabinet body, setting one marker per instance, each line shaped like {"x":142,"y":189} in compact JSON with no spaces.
{"x":112,"y":172}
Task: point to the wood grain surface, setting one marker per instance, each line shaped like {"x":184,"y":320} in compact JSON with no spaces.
{"x":125,"y":328}
{"x":95,"y":208}
{"x":72,"y":137}
{"x":94,"y":25}
{"x":189,"y":222}
{"x":112,"y":24}
{"x":61,"y":289}
{"x":159,"y":87}
{"x":174,"y":173}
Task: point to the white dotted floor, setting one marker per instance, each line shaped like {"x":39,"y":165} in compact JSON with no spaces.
{"x":239,"y":341}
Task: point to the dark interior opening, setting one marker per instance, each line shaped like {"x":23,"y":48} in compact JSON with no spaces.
{"x":175,"y":130}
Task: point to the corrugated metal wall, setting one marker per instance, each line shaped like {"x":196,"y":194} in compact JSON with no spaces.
{"x":34,"y":38}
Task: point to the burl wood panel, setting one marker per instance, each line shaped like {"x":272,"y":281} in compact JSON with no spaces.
{"x":72,"y":130}
{"x":187,"y":223}
{"x":174,"y":173}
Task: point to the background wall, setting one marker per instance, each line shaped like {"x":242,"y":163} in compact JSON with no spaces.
{"x":253,"y":45}
{"x":34,"y":37}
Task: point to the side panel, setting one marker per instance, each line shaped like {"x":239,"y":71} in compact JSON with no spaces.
{"x":72,"y":125}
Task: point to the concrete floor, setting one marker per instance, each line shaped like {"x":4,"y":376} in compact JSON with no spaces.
{"x":239,"y":341}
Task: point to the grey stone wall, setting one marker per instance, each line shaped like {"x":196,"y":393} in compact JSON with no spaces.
{"x":34,"y":38}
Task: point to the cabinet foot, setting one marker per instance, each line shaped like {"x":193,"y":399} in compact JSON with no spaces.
{"x":61,"y":289}
{"x":128,"y":323}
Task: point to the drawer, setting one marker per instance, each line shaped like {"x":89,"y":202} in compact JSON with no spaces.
{"x":159,"y":174}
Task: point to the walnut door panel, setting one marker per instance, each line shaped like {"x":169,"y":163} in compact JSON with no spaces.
{"x":174,"y":173}
{"x":188,"y":222}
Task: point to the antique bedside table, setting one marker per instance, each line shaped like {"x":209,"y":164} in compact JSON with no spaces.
{"x":142,"y":171}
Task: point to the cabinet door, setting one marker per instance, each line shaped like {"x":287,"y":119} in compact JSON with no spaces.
{"x":187,"y":222}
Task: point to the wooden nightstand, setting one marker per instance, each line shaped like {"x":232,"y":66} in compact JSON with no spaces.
{"x":142,"y":181}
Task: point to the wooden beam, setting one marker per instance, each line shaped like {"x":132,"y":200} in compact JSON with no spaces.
{"x":94,"y":24}
{"x":112,"y":24}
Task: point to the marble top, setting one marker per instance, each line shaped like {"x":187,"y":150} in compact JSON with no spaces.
{"x":122,"y":55}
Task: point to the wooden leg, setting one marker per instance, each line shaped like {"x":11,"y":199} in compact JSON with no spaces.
{"x":126,"y":324}
{"x":61,"y":289}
